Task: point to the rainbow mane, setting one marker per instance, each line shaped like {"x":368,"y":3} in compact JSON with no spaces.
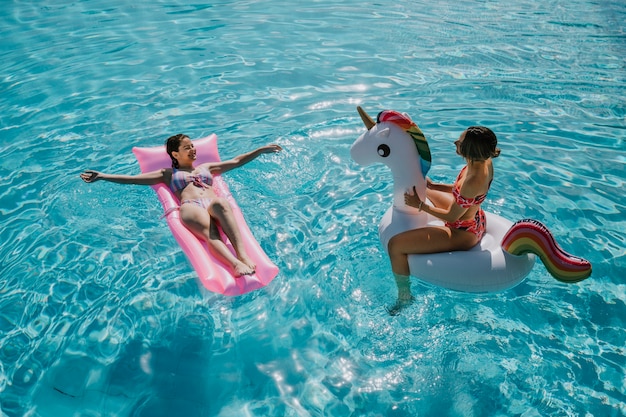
{"x":532,"y":236}
{"x":409,"y":126}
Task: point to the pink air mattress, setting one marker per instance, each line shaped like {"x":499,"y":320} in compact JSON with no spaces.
{"x":212,"y":272}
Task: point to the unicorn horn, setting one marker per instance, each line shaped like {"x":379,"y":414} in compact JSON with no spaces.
{"x":367,"y":120}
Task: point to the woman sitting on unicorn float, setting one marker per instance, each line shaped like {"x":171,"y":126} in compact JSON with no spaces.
{"x":439,"y":232}
{"x":457,"y":204}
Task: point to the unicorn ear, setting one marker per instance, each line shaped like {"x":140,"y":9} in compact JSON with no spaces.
{"x":383,"y":133}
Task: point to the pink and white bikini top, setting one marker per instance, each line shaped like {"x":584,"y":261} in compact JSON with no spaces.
{"x":181,"y":179}
{"x":464,"y":201}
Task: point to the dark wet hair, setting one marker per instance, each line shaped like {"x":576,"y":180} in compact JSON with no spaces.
{"x":172,"y":144}
{"x":479,"y":144}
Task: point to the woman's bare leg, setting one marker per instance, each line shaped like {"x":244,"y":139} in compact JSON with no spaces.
{"x":405,"y":298}
{"x":221,"y":210}
{"x":439,"y":198}
{"x":198,"y":220}
{"x":419,"y":241}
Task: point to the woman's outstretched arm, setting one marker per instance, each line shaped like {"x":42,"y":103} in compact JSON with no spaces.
{"x":236,"y":162}
{"x":148,"y":178}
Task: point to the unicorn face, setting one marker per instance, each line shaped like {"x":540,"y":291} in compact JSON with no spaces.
{"x":394,"y":141}
{"x":384,"y":143}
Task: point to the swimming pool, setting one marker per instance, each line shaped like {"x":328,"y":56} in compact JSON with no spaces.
{"x":100,"y":311}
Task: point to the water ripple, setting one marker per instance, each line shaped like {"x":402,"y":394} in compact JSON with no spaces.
{"x":100,"y":309}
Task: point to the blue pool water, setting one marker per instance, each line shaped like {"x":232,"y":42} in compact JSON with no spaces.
{"x":100,"y":311}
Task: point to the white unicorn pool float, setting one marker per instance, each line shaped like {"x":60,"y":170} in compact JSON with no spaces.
{"x":506,"y":253}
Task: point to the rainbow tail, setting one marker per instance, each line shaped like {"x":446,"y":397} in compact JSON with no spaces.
{"x":532,"y":236}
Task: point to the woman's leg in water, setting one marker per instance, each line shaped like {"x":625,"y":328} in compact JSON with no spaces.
{"x":431,"y":239}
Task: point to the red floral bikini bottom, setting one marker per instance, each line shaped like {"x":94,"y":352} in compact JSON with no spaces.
{"x":477,"y":225}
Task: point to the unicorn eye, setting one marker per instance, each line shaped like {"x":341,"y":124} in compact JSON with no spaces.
{"x":383,"y":150}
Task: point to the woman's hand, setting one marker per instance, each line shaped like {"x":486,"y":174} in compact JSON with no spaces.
{"x":273,"y":148}
{"x":90,"y":176}
{"x":413,"y":200}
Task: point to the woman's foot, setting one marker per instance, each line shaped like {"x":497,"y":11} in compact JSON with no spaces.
{"x":405,"y":298}
{"x":247,"y":261}
{"x":400,"y":305}
{"x":242,"y":269}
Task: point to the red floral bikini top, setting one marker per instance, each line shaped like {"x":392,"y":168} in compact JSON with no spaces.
{"x":464,"y":201}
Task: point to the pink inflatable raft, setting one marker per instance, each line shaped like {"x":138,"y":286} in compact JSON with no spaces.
{"x":212,"y":272}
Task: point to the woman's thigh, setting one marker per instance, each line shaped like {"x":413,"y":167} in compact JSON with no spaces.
{"x":432,"y":239}
{"x":219,"y":206}
{"x":439,"y":198}
{"x":198,"y":220}
{"x":194,"y":216}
